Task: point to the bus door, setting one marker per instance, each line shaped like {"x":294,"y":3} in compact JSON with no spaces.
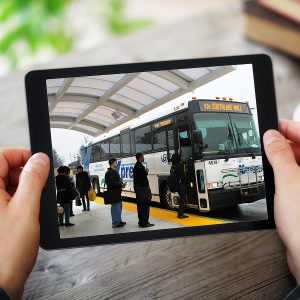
{"x":185,"y":150}
{"x":170,"y":143}
{"x":184,"y":143}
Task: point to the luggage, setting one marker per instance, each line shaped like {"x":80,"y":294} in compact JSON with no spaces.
{"x":112,"y":196}
{"x":92,"y":194}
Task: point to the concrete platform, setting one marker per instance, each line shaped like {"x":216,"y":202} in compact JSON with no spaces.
{"x":97,"y":221}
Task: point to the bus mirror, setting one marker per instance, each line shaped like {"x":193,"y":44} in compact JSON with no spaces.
{"x":198,"y":139}
{"x":197,"y":136}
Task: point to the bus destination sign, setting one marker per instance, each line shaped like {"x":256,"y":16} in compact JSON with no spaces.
{"x":162,"y":123}
{"x":217,"y":106}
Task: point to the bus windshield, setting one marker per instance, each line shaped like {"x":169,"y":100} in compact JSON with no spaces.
{"x":217,"y":135}
{"x":225,"y":134}
{"x":245,"y":132}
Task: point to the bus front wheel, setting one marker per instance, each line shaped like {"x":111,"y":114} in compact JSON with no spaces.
{"x":168,"y":199}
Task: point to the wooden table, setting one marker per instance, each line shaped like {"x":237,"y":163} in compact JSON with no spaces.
{"x":249,"y":265}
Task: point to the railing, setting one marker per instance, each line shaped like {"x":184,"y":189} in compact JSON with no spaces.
{"x":249,"y":188}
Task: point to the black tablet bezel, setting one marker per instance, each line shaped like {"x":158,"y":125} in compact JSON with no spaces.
{"x":40,"y":137}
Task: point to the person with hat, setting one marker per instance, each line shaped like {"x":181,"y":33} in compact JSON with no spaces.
{"x":114,"y":182}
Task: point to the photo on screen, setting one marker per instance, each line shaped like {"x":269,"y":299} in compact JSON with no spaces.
{"x":207,"y":116}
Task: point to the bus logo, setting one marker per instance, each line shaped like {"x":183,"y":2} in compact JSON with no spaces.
{"x":126,"y":171}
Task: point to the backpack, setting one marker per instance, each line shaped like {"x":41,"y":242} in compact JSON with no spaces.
{"x":173,"y":181}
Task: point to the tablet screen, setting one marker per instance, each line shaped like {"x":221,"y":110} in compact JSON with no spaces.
{"x":207,"y":116}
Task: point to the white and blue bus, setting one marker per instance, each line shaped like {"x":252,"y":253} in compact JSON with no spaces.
{"x":217,"y":139}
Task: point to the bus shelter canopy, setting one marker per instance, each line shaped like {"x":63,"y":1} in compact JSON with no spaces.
{"x":97,"y":104}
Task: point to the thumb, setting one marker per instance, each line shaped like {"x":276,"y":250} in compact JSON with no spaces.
{"x":279,"y":154}
{"x":32,"y":181}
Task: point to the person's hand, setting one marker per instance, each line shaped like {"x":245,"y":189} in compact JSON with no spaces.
{"x":283,"y":152}
{"x":147,"y":170}
{"x":21,"y":183}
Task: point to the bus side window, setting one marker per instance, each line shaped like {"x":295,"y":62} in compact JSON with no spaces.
{"x":132,"y":133}
{"x":182,"y":117}
{"x":95,"y":156}
{"x":125,"y":142}
{"x":159,"y":140}
{"x":114,"y":146}
{"x":143,"y":139}
{"x":104,"y":149}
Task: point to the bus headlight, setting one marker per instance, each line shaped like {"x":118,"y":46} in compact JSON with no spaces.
{"x":214,"y":185}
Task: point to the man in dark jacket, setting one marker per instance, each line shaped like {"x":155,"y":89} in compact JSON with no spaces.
{"x":142,"y":190}
{"x":114,"y":182}
{"x":83,"y":184}
{"x":180,"y":174}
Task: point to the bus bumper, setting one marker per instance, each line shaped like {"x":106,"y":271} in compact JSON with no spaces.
{"x":219,"y":198}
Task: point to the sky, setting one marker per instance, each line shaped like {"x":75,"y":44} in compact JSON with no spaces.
{"x":238,"y":84}
{"x":67,"y":148}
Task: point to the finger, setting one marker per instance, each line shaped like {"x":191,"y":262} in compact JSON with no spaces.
{"x":296,"y":150}
{"x":290,"y":130}
{"x":12,"y":158}
{"x":4,"y":198}
{"x":280,"y":154}
{"x":31,"y":183}
{"x":14,"y":176}
{"x":9,"y":185}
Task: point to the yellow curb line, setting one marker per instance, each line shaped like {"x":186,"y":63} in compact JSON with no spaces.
{"x":170,"y":216}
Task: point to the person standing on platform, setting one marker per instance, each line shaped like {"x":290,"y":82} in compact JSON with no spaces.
{"x":114,"y":182}
{"x":180,"y":176}
{"x":142,"y":191}
{"x":64,"y":196}
{"x":83,"y":184}
{"x":67,"y":173}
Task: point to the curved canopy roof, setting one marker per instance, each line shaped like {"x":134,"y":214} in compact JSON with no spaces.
{"x":97,"y":104}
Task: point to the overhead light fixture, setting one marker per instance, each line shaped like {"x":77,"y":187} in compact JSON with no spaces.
{"x":116,"y":114}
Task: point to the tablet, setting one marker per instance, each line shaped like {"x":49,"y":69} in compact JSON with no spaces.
{"x":209,"y":113}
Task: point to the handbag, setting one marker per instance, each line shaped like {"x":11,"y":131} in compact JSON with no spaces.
{"x":112,"y":196}
{"x":143,"y":194}
{"x":60,"y":210}
{"x":92,"y":194}
{"x":78,"y":202}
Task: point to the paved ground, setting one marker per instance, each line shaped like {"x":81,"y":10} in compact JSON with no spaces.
{"x":242,"y":212}
{"x":97,"y":221}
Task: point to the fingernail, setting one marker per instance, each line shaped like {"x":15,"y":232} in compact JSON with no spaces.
{"x":272,"y":136}
{"x":40,"y":159}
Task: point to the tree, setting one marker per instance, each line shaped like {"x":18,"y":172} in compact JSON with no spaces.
{"x":57,"y":160}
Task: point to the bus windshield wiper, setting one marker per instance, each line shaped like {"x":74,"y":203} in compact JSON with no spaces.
{"x":243,"y":142}
{"x":250,"y":150}
{"x":230,"y":138}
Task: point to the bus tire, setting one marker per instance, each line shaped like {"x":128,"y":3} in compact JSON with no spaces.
{"x":165,"y":197}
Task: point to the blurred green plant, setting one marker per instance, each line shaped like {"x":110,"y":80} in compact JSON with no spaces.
{"x":27,"y":26}
{"x":116,"y":21}
{"x":33,"y":24}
